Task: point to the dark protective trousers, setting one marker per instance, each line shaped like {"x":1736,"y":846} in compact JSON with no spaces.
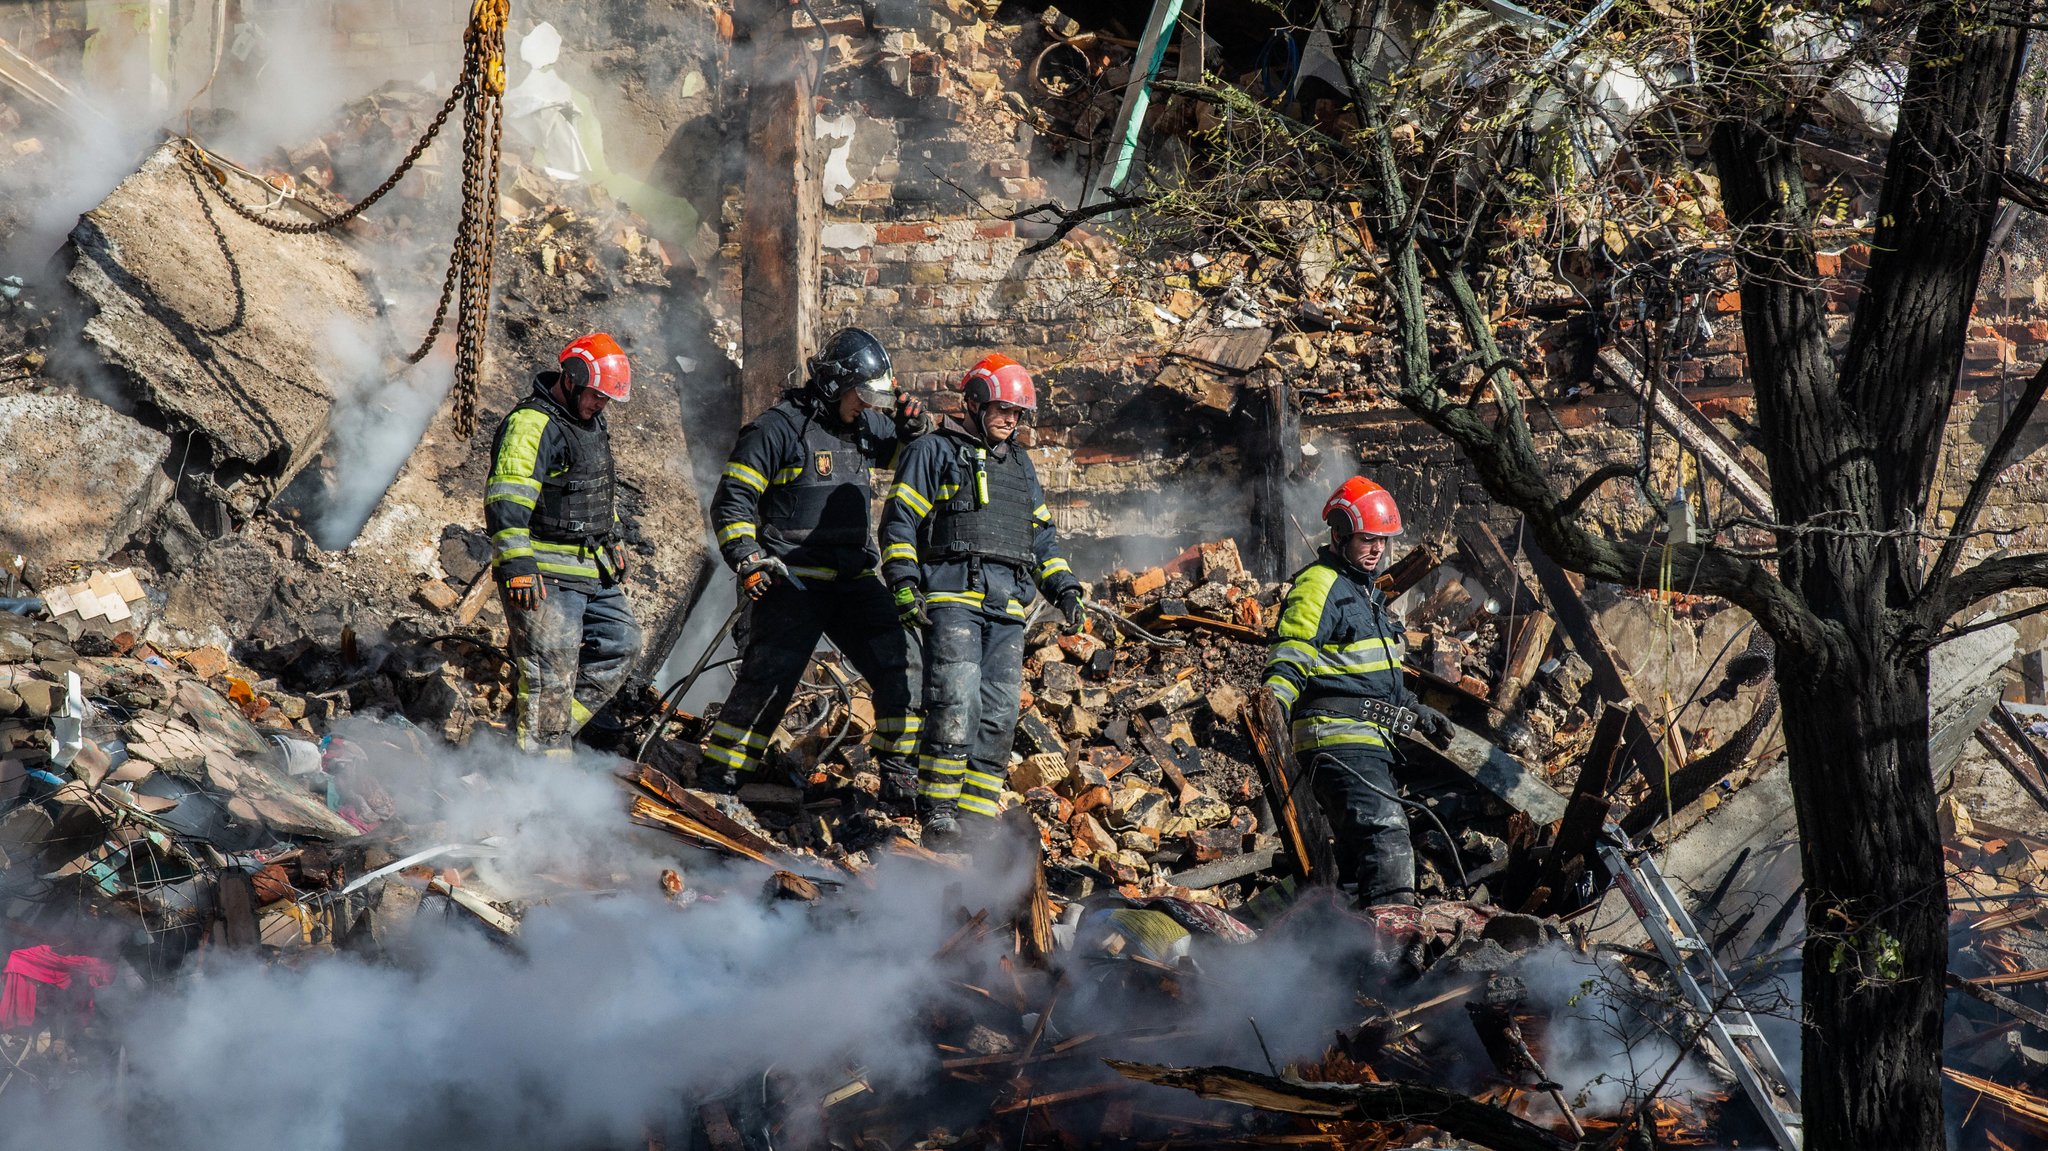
{"x":782,"y":631}
{"x":974,"y":685}
{"x":1371,"y":828}
{"x":572,"y":651}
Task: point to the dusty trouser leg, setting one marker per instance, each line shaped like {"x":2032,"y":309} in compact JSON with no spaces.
{"x":995,"y":722}
{"x":611,"y":642}
{"x":1371,"y":827}
{"x":952,"y":695}
{"x":783,"y":630}
{"x":886,"y":654}
{"x":546,"y":641}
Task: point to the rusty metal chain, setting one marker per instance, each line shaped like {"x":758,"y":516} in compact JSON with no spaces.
{"x":481,"y":91}
{"x":198,"y":157}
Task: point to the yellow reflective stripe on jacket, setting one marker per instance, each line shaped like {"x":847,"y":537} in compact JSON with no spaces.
{"x":511,"y":543}
{"x":900,"y":552}
{"x":1040,"y":515}
{"x":745,"y":476}
{"x":1361,"y":658}
{"x":788,"y":475}
{"x":733,"y":531}
{"x":910,"y":498}
{"x":565,"y":559}
{"x":1316,"y":732}
{"x":1053,"y":567}
{"x":1283,"y":690}
{"x":965,"y":598}
{"x":525,"y":493}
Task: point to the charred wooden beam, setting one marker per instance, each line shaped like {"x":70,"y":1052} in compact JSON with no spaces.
{"x":780,"y":273}
{"x":1302,"y":826}
{"x":1669,"y":407}
{"x":1447,"y":1111}
{"x":1566,"y":603}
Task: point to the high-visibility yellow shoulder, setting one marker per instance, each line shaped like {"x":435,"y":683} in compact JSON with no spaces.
{"x":519,"y":447}
{"x":1301,"y":616}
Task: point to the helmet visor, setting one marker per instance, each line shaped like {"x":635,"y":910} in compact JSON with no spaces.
{"x":879,"y":393}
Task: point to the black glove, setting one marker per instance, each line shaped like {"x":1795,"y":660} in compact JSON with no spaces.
{"x":1070,"y":607}
{"x":615,"y":553}
{"x":1433,"y":725}
{"x":909,"y":411}
{"x":758,"y":573}
{"x":910,"y":606}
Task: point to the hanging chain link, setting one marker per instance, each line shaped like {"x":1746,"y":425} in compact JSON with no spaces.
{"x":481,"y":91}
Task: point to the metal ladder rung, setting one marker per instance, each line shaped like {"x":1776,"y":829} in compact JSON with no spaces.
{"x":1695,"y":968}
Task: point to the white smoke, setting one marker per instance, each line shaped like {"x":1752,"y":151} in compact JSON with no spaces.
{"x":599,"y":1022}
{"x":381,"y":409}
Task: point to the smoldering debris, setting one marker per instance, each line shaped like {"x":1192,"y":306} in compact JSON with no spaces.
{"x":429,"y":945}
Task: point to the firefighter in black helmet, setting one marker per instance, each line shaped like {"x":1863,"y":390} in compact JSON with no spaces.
{"x":792,"y":517}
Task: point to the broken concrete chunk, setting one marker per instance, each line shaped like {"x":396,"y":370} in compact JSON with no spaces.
{"x":97,"y":477}
{"x":39,"y":698}
{"x":206,"y":314}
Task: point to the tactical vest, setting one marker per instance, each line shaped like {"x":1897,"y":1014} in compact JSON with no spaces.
{"x":828,"y":503}
{"x":575,"y":506}
{"x":990,"y":516}
{"x":1358,"y":615}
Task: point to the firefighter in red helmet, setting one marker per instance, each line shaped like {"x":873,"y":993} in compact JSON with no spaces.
{"x":1335,"y":665}
{"x":967,"y":545}
{"x":556,"y":547}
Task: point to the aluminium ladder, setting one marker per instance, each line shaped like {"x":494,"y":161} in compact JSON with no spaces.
{"x":1705,"y":985}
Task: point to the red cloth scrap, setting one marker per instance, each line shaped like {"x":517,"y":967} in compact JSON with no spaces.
{"x":41,"y":964}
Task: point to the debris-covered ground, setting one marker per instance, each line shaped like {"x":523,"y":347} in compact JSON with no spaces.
{"x":266,"y":852}
{"x":1143,"y":916}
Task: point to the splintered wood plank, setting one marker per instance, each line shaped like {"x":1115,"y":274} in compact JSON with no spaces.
{"x":1302,"y":827}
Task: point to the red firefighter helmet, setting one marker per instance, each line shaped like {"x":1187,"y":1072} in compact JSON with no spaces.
{"x":597,"y":361}
{"x":1361,"y":505}
{"x":999,"y":379}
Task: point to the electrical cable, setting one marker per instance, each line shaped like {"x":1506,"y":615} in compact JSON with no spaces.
{"x":1464,"y":884}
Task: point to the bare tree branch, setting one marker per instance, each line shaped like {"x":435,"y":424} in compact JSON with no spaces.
{"x":1995,"y":461}
{"x":1987,"y":579}
{"x":1569,"y":506}
{"x":2024,"y":190}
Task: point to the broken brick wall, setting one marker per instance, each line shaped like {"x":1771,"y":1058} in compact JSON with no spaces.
{"x":927,"y":147}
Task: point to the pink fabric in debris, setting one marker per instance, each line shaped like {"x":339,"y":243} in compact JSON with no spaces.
{"x":41,"y":964}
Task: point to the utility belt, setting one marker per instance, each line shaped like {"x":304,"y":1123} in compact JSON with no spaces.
{"x":1393,"y":717}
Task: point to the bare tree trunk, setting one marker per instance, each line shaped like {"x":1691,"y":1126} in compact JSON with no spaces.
{"x":1876,"y":910}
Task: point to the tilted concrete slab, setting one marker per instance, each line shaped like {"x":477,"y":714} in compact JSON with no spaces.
{"x":1738,"y":868}
{"x":84,"y":478}
{"x":222,"y":325}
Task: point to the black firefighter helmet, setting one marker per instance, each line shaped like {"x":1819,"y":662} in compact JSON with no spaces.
{"x":854,"y":358}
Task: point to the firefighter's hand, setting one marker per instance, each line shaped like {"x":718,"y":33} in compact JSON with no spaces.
{"x":909,"y":409}
{"x":616,"y":553}
{"x":1070,"y":607}
{"x":758,"y":573}
{"x":525,"y":591}
{"x":910,"y":606}
{"x":1433,"y":725}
